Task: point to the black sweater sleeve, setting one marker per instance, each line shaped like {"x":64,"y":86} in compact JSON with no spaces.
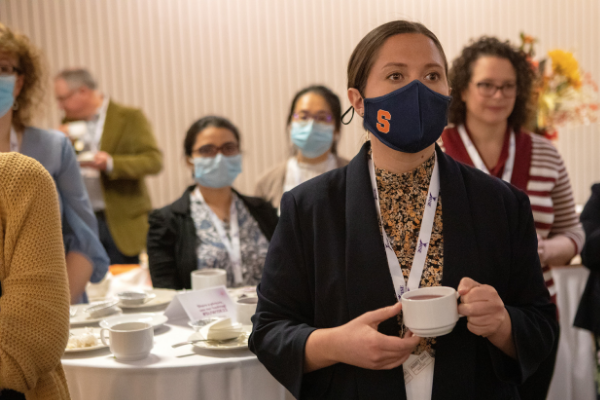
{"x":590,"y":219}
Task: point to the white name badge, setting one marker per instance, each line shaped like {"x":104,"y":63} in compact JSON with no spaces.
{"x":200,"y":304}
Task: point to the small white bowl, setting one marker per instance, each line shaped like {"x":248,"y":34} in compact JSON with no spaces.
{"x":102,"y":308}
{"x":133,"y":298}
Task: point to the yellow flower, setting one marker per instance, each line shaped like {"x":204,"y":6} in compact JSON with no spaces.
{"x":565,"y":64}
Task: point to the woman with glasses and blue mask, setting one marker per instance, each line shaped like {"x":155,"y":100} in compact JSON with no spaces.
{"x":21,"y":92}
{"x":314,"y":125}
{"x":211,"y":225}
{"x":492,"y":82}
{"x":402,"y":215}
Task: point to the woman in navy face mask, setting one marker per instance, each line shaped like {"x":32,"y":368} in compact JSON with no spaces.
{"x":211,"y":225}
{"x":400,"y":216}
{"x":314,"y":125}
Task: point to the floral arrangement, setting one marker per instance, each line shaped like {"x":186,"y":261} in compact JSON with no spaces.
{"x":563,"y":94}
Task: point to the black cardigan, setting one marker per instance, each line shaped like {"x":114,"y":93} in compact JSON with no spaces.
{"x":588,"y":314}
{"x":326,"y":266}
{"x":172,"y":239}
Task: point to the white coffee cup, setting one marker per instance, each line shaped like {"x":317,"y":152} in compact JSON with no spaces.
{"x":430,"y":311}
{"x":77,"y":129}
{"x":209,"y":277}
{"x":130,"y":340}
{"x":246,"y":308}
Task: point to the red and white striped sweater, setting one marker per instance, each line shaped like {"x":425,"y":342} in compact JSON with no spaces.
{"x":540,"y":172}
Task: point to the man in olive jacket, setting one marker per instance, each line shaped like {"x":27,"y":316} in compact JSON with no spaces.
{"x":116,"y":151}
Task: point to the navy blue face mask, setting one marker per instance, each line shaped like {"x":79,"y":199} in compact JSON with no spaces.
{"x":409,"y":119}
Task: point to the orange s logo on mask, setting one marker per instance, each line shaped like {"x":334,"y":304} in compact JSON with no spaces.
{"x":383,"y":121}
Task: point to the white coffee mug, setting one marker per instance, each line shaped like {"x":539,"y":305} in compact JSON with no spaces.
{"x":129,"y":340}
{"x":77,"y":129}
{"x":246,"y":308}
{"x":209,"y":277}
{"x":430,"y":311}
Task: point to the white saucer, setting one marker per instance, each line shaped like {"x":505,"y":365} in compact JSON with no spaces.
{"x":154,"y":319}
{"x":240,"y":343}
{"x":425,"y":333}
{"x":163,"y":297}
{"x":96,"y":333}
{"x":82,"y":318}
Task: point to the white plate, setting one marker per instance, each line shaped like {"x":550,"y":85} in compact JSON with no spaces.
{"x":154,"y":319}
{"x":163,"y":296}
{"x":82,"y":318}
{"x":96,"y":333}
{"x":239,"y":343}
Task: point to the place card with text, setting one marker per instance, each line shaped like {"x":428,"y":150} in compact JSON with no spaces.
{"x":200,"y":304}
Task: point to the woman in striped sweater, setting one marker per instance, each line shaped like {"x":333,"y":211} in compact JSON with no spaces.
{"x":491,"y":84}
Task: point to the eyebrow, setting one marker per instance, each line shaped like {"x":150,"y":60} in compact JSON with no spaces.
{"x":402,"y":65}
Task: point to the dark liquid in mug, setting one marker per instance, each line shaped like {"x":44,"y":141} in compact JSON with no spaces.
{"x":425,"y":297}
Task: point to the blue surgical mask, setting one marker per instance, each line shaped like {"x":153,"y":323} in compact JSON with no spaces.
{"x":313,"y":139}
{"x":409,"y":119}
{"x":7,"y":86}
{"x":217,"y":172}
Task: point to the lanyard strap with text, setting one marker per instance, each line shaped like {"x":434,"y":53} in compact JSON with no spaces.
{"x":478,"y":162}
{"x":418,"y":264}
{"x":232,"y":246}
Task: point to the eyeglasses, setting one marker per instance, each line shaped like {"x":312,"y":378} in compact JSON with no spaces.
{"x":488,"y":89}
{"x":66,"y":97}
{"x":322,"y":117}
{"x":7,"y":69}
{"x":210,"y":150}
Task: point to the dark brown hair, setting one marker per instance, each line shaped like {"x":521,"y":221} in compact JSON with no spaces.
{"x":462,"y":71}
{"x":331,"y":98}
{"x":202,"y":124}
{"x":31,"y":67}
{"x":363,"y":56}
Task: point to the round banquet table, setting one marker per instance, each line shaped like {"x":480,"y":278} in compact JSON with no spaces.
{"x":182,"y":373}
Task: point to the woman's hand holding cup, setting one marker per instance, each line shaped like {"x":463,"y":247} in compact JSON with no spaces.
{"x":486,"y":314}
{"x":359,"y":343}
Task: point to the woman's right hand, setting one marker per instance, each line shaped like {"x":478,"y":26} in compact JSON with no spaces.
{"x":359,"y":343}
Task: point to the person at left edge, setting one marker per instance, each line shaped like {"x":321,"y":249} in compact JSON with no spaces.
{"x":21,"y":74}
{"x":199,"y":230}
{"x":327,"y":323}
{"x":124,"y":152}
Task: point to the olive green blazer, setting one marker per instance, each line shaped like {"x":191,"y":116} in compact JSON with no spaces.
{"x":128,"y":138}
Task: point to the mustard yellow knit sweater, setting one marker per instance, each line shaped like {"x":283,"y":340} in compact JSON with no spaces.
{"x":34,"y":316}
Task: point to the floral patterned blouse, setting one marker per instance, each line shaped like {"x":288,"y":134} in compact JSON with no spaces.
{"x":211,"y":251}
{"x":402,"y":201}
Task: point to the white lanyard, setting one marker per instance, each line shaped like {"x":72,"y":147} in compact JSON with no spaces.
{"x":232,"y":246}
{"x":14,"y":140}
{"x":478,"y":162}
{"x":420,"y":257}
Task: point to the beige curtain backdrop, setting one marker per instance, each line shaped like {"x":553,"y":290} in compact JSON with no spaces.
{"x":179,"y":60}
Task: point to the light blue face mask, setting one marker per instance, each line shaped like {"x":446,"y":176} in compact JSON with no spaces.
{"x":7,"y":86}
{"x":217,"y":172}
{"x":313,"y":139}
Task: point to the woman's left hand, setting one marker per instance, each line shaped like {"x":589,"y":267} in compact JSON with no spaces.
{"x":482,"y":306}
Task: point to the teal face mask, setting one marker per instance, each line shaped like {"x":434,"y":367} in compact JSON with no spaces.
{"x":313,"y":139}
{"x":218,"y":171}
{"x":7,"y":86}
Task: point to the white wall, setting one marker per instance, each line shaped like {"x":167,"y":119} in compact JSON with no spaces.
{"x":179,"y":60}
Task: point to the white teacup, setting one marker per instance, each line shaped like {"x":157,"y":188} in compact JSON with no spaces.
{"x":430,"y":311}
{"x":246,"y":307}
{"x":209,"y":277}
{"x":130,"y":340}
{"x":77,"y":129}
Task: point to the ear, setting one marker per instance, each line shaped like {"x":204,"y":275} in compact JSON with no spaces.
{"x":189,"y":161}
{"x":357,"y":101}
{"x":18,"y":85}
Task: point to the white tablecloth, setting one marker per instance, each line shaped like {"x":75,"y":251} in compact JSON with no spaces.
{"x":574,"y":372}
{"x":179,"y":374}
